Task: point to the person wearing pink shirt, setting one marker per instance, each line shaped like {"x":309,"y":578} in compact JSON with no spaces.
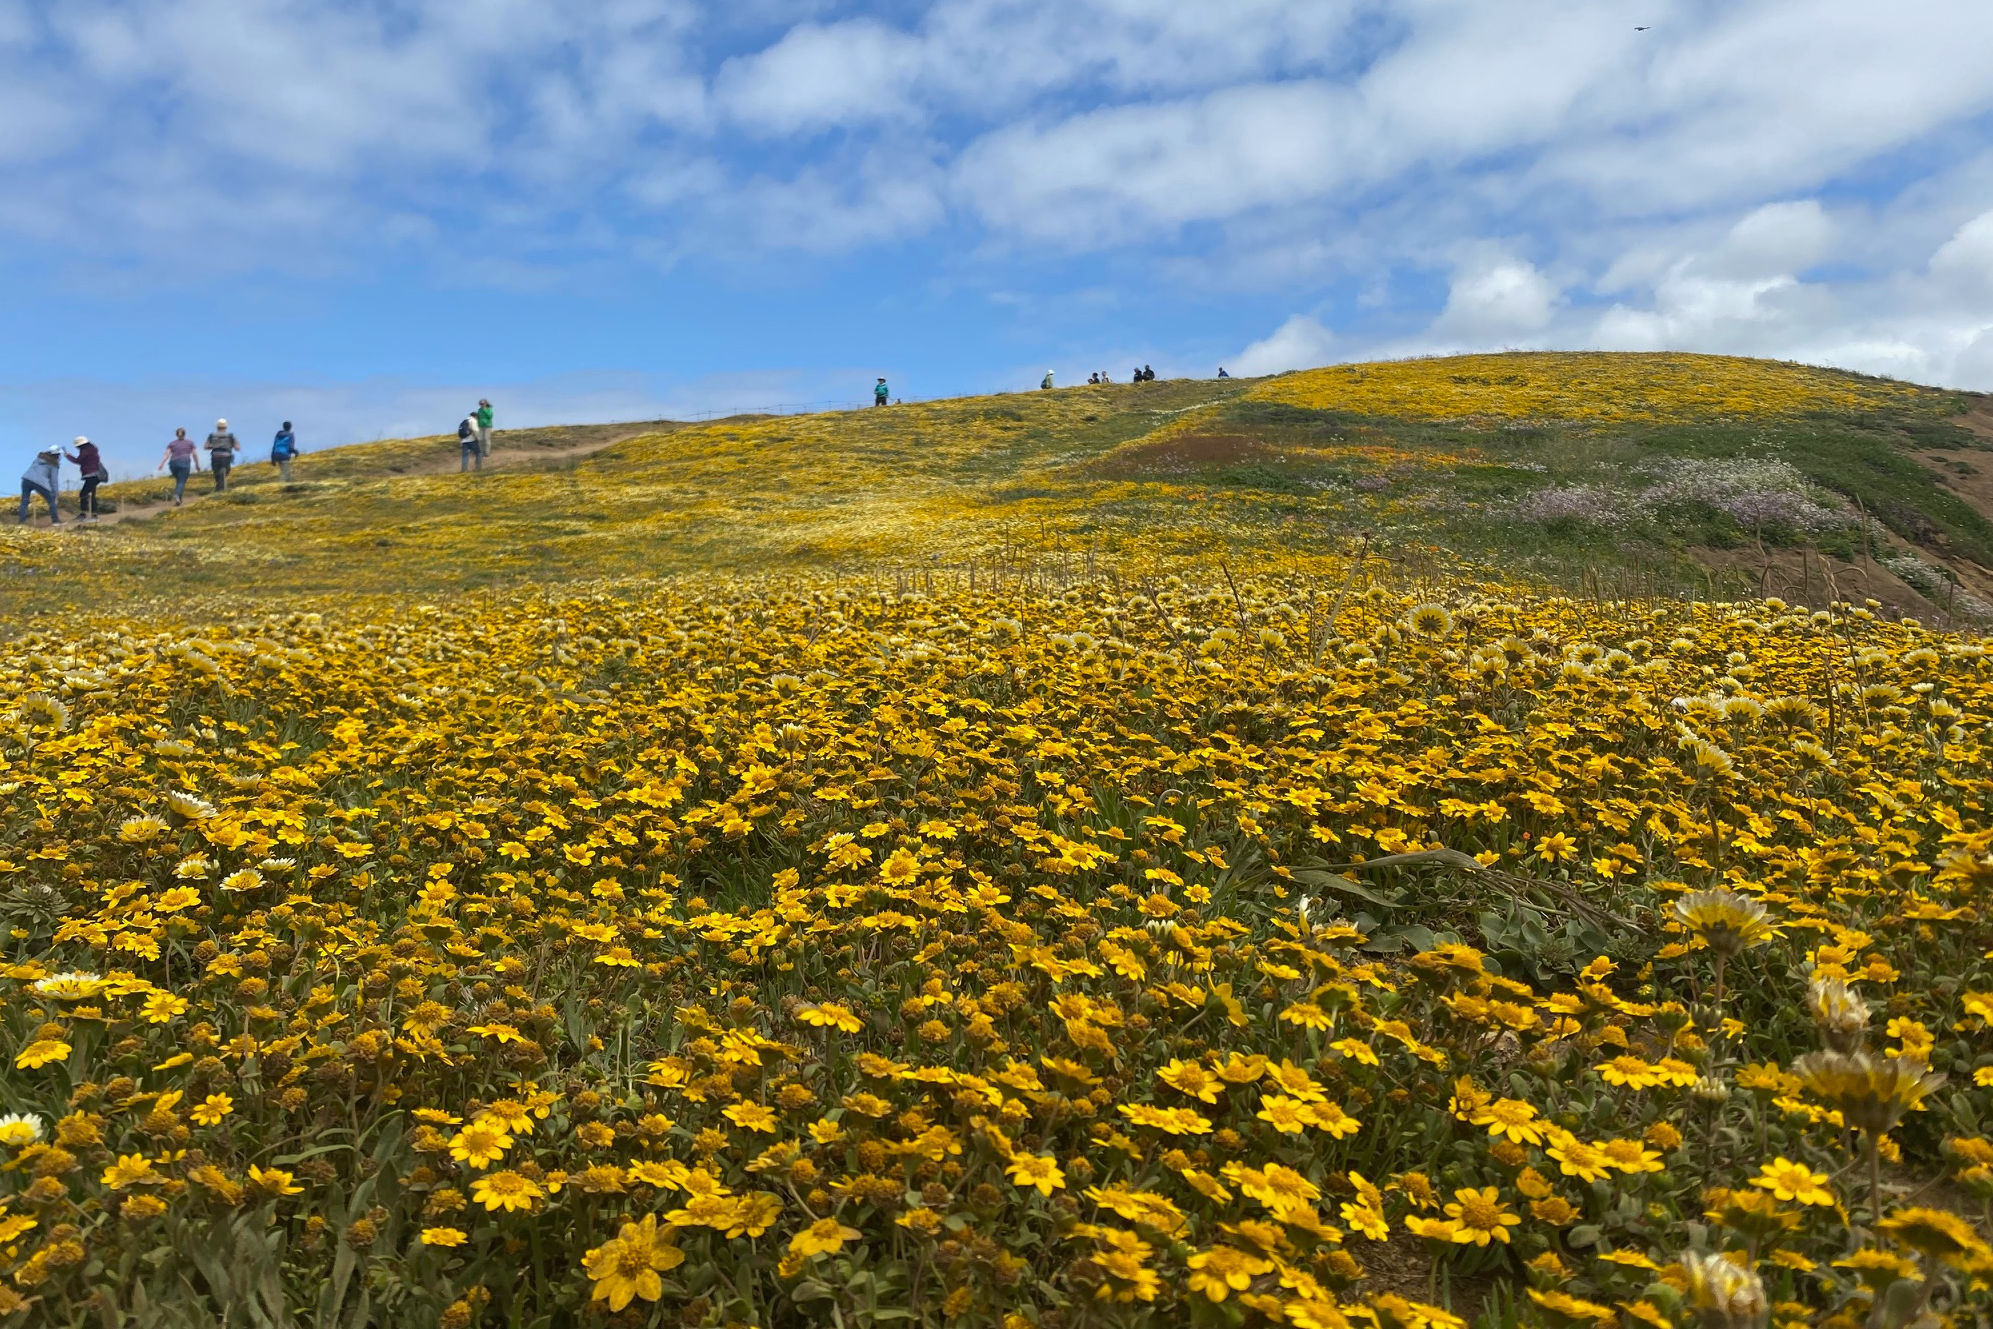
{"x":180,"y":456}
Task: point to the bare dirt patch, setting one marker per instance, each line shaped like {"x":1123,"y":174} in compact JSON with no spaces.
{"x":1979,"y":420}
{"x":1807,"y":577}
{"x":1969,"y":474}
{"x":1403,"y":1266}
{"x":1180,"y":455}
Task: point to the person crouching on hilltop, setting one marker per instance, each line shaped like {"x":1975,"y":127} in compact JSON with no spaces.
{"x":42,"y":477}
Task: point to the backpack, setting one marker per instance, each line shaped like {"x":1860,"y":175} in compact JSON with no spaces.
{"x":464,"y":430}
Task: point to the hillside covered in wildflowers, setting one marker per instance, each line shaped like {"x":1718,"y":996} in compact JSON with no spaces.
{"x":1495,"y":841}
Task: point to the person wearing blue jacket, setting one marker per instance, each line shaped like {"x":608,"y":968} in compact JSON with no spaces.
{"x":42,"y":478}
{"x":283,"y":449}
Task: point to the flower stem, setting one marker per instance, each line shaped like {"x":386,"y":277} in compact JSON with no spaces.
{"x":1875,"y":1176}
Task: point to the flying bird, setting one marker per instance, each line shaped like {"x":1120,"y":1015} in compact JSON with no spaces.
{"x":1639,"y":29}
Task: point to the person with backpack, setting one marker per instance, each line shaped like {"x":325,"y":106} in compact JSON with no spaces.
{"x":1045,"y":385}
{"x":483,"y":417}
{"x":42,"y":477}
{"x":283,"y":449}
{"x":180,"y":456}
{"x":91,"y":463}
{"x":880,"y":392}
{"x":470,"y":453}
{"x":221,"y":453}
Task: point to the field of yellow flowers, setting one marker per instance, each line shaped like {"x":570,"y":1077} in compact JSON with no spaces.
{"x":1584,"y":386}
{"x":1277,"y":943}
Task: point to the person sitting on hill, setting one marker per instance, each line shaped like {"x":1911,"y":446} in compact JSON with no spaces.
{"x":42,"y":477}
{"x":1045,"y":385}
{"x":1148,"y":374}
{"x":1222,"y":373}
{"x":91,"y":462}
{"x":1093,"y":380}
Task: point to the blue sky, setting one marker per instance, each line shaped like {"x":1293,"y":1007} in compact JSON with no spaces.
{"x":363,"y":214}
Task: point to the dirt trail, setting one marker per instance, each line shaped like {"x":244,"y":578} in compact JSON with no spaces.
{"x":504,"y":456}
{"x":1979,"y":418}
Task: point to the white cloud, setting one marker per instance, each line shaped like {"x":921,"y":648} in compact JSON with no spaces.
{"x":1973,"y":366}
{"x":1669,"y":183}
{"x":1747,"y":288}
{"x":1747,"y":293}
{"x":819,"y":78}
{"x":1299,"y":343}
{"x":838,"y":207}
{"x":1775,"y":239}
{"x":1098,"y":177}
{"x":1966,"y":260}
{"x":1083,"y":122}
{"x":1497,"y":300}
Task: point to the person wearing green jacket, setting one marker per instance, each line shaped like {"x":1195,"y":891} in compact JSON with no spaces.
{"x":483,"y":418}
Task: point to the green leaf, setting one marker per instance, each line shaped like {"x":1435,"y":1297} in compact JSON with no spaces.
{"x":1330,"y":881}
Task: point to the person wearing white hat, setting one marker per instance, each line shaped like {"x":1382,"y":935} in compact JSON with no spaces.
{"x":1047,"y":384}
{"x":221,"y":453}
{"x":91,"y":463}
{"x":42,"y":478}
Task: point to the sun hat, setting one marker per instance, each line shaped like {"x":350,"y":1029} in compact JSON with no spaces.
{"x":221,"y":424}
{"x":81,"y":440}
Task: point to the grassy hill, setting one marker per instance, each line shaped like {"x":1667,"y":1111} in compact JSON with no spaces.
{"x":1630,"y":468}
{"x":1258,"y":853}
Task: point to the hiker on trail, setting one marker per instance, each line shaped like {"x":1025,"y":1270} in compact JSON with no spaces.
{"x":880,"y":392}
{"x":180,"y":456}
{"x":221,"y":453}
{"x":43,"y":477}
{"x":483,"y":417}
{"x":91,"y":462}
{"x":1046,"y":386}
{"x":467,"y":445}
{"x":283,"y":449}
